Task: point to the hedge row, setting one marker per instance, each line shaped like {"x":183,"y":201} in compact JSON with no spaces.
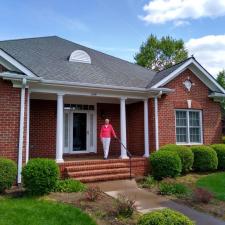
{"x":172,"y":160}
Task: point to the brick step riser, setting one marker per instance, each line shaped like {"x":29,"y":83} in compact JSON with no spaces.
{"x":94,"y":167}
{"x":97,"y":172}
{"x":103,"y":178}
{"x":94,"y":162}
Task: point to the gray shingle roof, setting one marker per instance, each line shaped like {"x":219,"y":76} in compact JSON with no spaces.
{"x":164,"y":73}
{"x":47,"y":57}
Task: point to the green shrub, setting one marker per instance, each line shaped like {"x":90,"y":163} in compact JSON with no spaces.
{"x":205,"y":158}
{"x":165,"y":164}
{"x":185,"y":154}
{"x":220,"y":151}
{"x":164,"y":217}
{"x":148,"y":182}
{"x":169,"y":188}
{"x":8,"y":173}
{"x":69,"y":185}
{"x":40,"y":176}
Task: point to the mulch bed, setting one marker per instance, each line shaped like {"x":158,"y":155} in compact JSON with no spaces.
{"x":102,"y":210}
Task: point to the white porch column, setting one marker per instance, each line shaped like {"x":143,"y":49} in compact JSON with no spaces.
{"x":123,"y":132}
{"x":21,"y":130}
{"x":146,"y":131}
{"x":156,"y":123}
{"x":59,"y":129}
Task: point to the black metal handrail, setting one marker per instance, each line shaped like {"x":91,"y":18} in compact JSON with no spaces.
{"x":129,"y":155}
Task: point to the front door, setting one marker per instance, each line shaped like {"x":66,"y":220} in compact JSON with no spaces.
{"x":79,"y":132}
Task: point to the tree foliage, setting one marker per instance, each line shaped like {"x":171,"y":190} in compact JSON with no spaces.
{"x":221,"y":80}
{"x":158,"y":54}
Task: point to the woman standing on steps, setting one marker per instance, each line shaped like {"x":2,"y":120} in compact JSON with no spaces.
{"x":106,"y":133}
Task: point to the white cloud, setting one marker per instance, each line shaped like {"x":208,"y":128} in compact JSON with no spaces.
{"x":162,"y":11}
{"x":209,"y":51}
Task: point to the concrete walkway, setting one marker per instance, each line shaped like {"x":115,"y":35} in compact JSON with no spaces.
{"x":147,"y":201}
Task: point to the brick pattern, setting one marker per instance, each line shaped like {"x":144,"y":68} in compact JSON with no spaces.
{"x":211,"y":112}
{"x":42,"y":128}
{"x":101,"y":170}
{"x":135,"y":128}
{"x":10,"y":119}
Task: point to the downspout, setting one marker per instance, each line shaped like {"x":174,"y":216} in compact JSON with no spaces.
{"x":156,"y":121}
{"x":28,"y":126}
{"x":21,"y":131}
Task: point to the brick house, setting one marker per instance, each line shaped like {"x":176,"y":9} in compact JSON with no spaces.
{"x":55,"y":94}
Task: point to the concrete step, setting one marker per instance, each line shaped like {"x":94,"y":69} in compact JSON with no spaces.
{"x":91,"y":179}
{"x":97,"y":172}
{"x":76,"y":168}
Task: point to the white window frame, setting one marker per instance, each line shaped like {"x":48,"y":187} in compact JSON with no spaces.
{"x":188,"y":127}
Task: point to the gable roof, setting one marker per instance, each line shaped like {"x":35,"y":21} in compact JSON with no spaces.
{"x":47,"y":57}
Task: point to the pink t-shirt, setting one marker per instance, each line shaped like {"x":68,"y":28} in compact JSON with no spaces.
{"x":107,"y":131}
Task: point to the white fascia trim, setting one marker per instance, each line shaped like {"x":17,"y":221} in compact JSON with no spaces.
{"x":17,"y":76}
{"x":182,"y":68}
{"x":216,"y":95}
{"x":15,"y":63}
{"x":102,"y":87}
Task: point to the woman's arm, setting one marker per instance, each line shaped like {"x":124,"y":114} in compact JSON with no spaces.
{"x":113,"y":132}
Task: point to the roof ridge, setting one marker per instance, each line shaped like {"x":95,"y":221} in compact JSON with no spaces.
{"x":20,"y":39}
{"x":92,"y":49}
{"x":191,"y":57}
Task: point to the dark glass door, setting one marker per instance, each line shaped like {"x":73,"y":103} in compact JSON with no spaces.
{"x":79,"y":132}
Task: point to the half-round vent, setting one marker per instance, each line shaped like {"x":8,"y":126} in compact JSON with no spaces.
{"x":80,"y":56}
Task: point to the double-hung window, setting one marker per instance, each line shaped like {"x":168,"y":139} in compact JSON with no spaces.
{"x":188,"y":126}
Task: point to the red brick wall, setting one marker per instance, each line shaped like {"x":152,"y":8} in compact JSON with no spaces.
{"x":42,"y":128}
{"x":211,"y":112}
{"x":10,"y":119}
{"x":135,"y":128}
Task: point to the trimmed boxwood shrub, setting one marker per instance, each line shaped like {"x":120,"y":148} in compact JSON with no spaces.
{"x":164,"y":217}
{"x":205,"y":158}
{"x":220,"y":151}
{"x":8,"y":172}
{"x":165,"y":164}
{"x":40,"y":176}
{"x":185,"y":154}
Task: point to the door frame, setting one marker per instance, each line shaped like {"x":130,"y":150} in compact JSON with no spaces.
{"x":93,"y":148}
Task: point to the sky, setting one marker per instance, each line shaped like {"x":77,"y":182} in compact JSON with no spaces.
{"x":118,"y":27}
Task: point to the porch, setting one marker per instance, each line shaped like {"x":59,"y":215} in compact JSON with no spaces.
{"x":66,"y":127}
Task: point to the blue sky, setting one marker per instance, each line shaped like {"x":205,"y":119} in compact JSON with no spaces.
{"x":118,"y":27}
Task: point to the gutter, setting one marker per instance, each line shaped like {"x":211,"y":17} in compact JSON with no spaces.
{"x":16,"y":77}
{"x":21,"y":131}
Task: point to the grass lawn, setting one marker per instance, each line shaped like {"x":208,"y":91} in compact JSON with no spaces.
{"x":214,"y":183}
{"x":30,"y":211}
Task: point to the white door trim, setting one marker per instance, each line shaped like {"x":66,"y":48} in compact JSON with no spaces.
{"x":89,"y":149}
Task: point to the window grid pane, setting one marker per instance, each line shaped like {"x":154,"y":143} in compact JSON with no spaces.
{"x":183,"y":126}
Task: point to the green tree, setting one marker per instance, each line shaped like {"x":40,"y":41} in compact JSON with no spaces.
{"x":158,"y":54}
{"x":221,"y":80}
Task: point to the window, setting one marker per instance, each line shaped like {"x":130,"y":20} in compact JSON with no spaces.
{"x":188,"y":127}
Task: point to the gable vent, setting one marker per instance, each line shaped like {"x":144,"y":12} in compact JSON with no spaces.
{"x":80,"y":56}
